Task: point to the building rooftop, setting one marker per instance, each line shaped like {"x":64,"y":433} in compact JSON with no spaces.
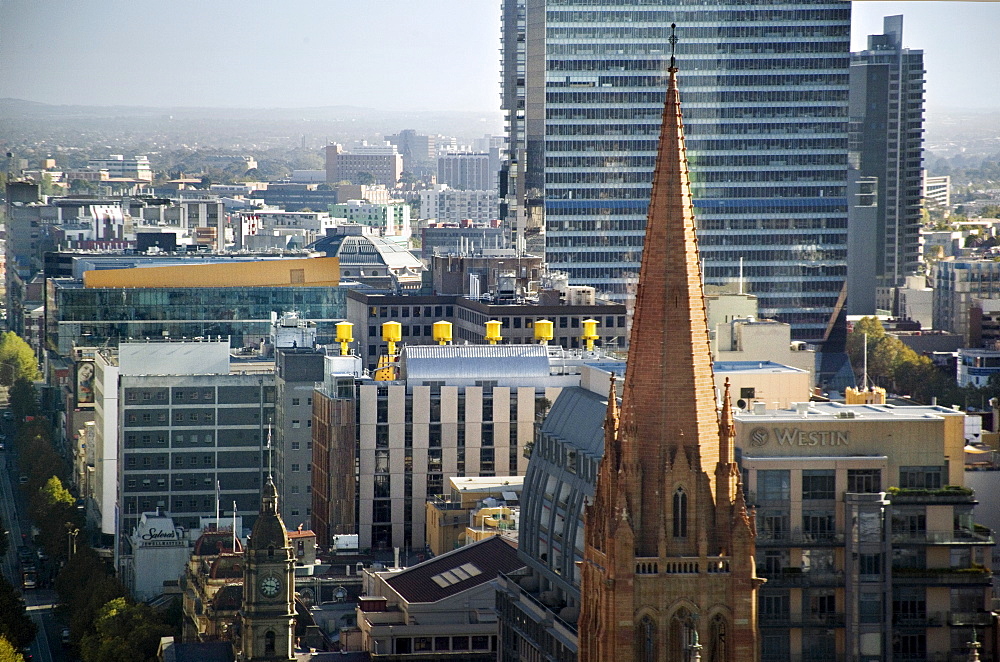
{"x":457,"y":571}
{"x":754,"y":367}
{"x":831,"y":411}
{"x":486,"y":362}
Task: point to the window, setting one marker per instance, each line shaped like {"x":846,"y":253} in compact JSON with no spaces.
{"x":680,"y":513}
{"x":909,"y":646}
{"x":864,"y":480}
{"x":295,"y":402}
{"x":774,"y":605}
{"x":295,"y":445}
{"x":295,"y":467}
{"x":772,"y":524}
{"x":921,"y":477}
{"x":773,"y":485}
{"x":870,"y":564}
{"x":818,"y":524}
{"x":295,"y":489}
{"x":296,"y":424}
{"x":818,"y":484}
{"x":909,"y":605}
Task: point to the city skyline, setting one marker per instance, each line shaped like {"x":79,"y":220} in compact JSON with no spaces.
{"x":248,"y":62}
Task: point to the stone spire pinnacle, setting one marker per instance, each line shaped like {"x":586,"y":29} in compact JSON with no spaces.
{"x":668,"y":401}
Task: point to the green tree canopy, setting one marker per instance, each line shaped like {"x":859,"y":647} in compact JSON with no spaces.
{"x":124,"y":632}
{"x":8,"y":653}
{"x":84,"y":585}
{"x":17,"y":354}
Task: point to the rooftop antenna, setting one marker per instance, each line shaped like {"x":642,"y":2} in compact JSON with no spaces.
{"x":269,"y":477}
{"x":673,"y":45}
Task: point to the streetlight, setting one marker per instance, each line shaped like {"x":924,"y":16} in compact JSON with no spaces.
{"x":71,"y":534}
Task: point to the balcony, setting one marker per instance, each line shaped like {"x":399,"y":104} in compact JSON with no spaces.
{"x":942,"y":576}
{"x":980,"y":535}
{"x":798,"y":538}
{"x":927,"y":620}
{"x":794,"y":578}
{"x":970,"y":618}
{"x":834,"y":620}
{"x":948,"y":494}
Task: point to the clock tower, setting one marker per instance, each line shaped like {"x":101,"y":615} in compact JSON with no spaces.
{"x":268,"y":613}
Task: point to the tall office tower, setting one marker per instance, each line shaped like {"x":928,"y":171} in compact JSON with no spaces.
{"x":668,"y":569}
{"x":766,"y":97}
{"x":886,"y":140}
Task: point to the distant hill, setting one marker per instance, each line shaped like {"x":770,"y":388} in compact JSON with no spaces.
{"x":22,"y":113}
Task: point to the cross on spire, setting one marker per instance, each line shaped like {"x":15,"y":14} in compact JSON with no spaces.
{"x":673,"y":45}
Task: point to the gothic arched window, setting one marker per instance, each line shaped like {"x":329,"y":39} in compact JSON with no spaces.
{"x":719,"y":651}
{"x":680,"y":513}
{"x":646,"y":640}
{"x":269,"y":642}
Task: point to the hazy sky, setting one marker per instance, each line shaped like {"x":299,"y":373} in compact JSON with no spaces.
{"x":431,"y":55}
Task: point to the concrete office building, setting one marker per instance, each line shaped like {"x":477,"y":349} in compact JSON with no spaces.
{"x":298,"y":368}
{"x":456,"y":410}
{"x":182,"y":428}
{"x":444,"y":204}
{"x":766,"y":124}
{"x":886,"y":143}
{"x":417,"y":315}
{"x":119,"y":167}
{"x":473,"y":171}
{"x":958,"y":284}
{"x":865,"y":533}
{"x":390,"y":220}
{"x":382,"y":162}
{"x":937,"y":192}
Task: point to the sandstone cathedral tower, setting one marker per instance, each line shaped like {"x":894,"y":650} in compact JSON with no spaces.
{"x":668,"y":571}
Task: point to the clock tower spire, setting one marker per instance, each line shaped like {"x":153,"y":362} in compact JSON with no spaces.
{"x":268,"y":613}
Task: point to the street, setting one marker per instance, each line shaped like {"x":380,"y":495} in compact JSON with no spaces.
{"x":41,"y":603}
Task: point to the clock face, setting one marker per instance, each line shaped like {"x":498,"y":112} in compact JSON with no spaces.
{"x":270,"y":586}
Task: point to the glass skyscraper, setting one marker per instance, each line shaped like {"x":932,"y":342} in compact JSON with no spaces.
{"x":764,"y":88}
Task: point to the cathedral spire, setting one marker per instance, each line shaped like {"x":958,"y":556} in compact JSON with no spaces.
{"x":668,"y":401}
{"x":668,"y":539}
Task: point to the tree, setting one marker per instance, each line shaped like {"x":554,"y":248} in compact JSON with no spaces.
{"x":124,"y":632}
{"x":19,"y":355}
{"x":23,"y":400}
{"x":364,"y":178}
{"x":85,"y":585}
{"x":15,"y":624}
{"x":8,"y":653}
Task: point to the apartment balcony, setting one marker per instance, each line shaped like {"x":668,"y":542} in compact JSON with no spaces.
{"x":801,"y":620}
{"x":943,"y":495}
{"x":942,"y":576}
{"x":798,"y":538}
{"x":920,"y":621}
{"x":795,"y":578}
{"x":978,"y":536}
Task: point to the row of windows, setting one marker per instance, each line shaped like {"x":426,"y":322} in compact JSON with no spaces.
{"x":692,"y":82}
{"x":750,"y":96}
{"x":393,"y":312}
{"x":768,"y":48}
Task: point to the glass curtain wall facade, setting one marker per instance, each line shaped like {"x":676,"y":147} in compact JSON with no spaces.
{"x":764,"y":88}
{"x":85,"y":316}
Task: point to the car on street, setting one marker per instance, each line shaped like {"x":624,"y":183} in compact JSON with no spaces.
{"x":8,"y":415}
{"x":64,"y":637}
{"x":23,"y":480}
{"x":24,"y":554}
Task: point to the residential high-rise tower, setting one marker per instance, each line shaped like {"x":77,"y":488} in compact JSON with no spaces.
{"x":886,"y":142}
